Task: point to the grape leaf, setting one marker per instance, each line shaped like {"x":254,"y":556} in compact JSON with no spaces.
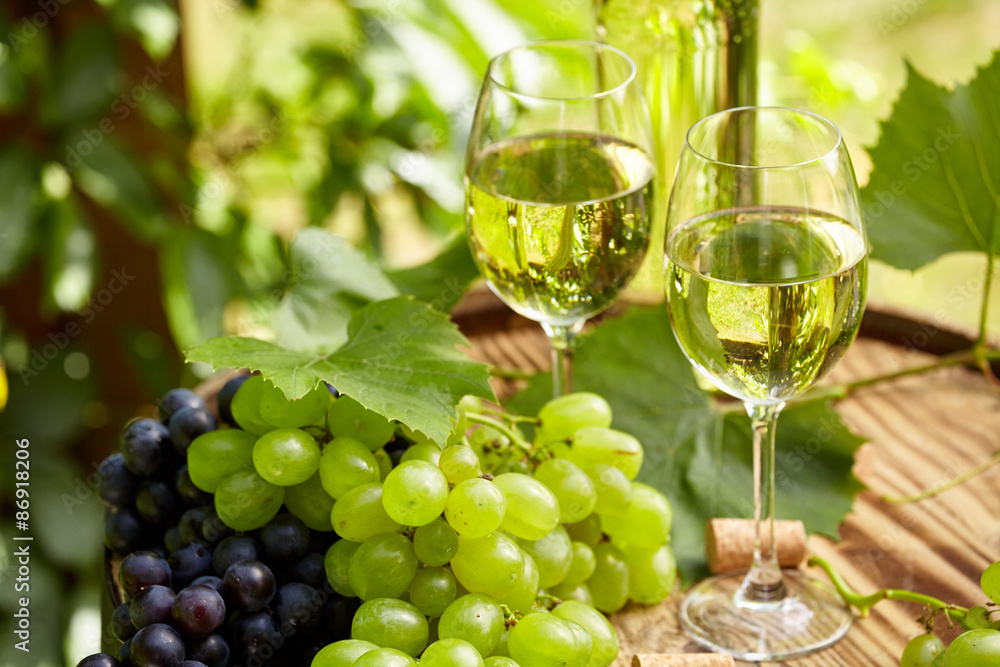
{"x":401,"y":359}
{"x":698,"y":451}
{"x":936,"y":177}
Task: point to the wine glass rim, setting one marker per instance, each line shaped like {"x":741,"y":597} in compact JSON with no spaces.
{"x":600,"y":46}
{"x":839,"y":139}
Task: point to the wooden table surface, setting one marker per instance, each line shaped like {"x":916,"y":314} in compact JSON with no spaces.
{"x":922,"y":430}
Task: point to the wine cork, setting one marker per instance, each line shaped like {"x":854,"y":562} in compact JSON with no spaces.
{"x":729,"y":543}
{"x":683,"y":660}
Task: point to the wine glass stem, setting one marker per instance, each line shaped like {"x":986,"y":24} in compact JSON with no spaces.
{"x":763,"y":582}
{"x":561,"y":338}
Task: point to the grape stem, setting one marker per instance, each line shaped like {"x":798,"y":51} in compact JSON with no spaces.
{"x":863,"y":603}
{"x":511,"y":373}
{"x":950,"y":484}
{"x":514,"y":437}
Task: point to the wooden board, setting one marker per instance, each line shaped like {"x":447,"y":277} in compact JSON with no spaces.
{"x":922,"y":430}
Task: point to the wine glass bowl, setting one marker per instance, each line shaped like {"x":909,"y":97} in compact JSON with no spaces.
{"x":765,"y":281}
{"x":559,"y":184}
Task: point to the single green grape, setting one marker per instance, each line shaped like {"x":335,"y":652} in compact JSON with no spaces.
{"x":561,"y":417}
{"x":542,"y":640}
{"x":247,"y":501}
{"x":581,"y":566}
{"x":652,"y":573}
{"x":342,"y":653}
{"x":451,"y":652}
{"x":435,"y":543}
{"x":385,"y":657}
{"x":359,"y":514}
{"x":475,"y":507}
{"x":490,"y":564}
{"x":975,"y":648}
{"x":977,"y":618}
{"x":347,"y":463}
{"x":594,"y":444}
{"x":286,"y":456}
{"x":645,"y":522}
{"x":384,"y":463}
{"x":459,"y":463}
{"x":500,"y":661}
{"x":580,"y":593}
{"x":425,"y":451}
{"x":571,"y":486}
{"x":474,"y":618}
{"x":382,"y":567}
{"x":990,"y":582}
{"x":337,"y":563}
{"x":532,"y":510}
{"x":391,"y":624}
{"x":432,"y":590}
{"x":610,"y":583}
{"x":277,"y":410}
{"x":348,"y":417}
{"x":246,"y":406}
{"x":587,"y":531}
{"x":310,"y":502}
{"x":602,"y":634}
{"x":553,"y":555}
{"x":521,"y":595}
{"x":921,"y":651}
{"x":415,"y":493}
{"x":613,"y":488}
{"x":214,"y":456}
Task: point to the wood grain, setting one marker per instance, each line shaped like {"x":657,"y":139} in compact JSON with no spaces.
{"x":923,"y":430}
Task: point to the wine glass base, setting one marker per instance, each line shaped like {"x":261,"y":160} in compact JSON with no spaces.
{"x":810,"y":617}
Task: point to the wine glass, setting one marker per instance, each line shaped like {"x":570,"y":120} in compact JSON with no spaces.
{"x":765,"y":279}
{"x":559,"y":184}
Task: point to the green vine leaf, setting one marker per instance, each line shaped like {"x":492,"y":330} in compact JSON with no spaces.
{"x":936,"y":177}
{"x":401,"y":359}
{"x":699,"y":455}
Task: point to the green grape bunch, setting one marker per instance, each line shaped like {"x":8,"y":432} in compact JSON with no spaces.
{"x":488,"y":549}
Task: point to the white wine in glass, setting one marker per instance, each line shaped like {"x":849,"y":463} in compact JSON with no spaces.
{"x":765,"y":281}
{"x":559,"y":184}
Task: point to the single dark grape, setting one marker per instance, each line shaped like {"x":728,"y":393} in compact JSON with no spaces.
{"x":125,"y":531}
{"x":225,"y":398}
{"x":152,"y":604}
{"x":234,"y":549}
{"x":213,"y":528}
{"x":125,"y":653}
{"x":213,"y":651}
{"x":256,"y":636}
{"x":172,"y":538}
{"x":198,"y":611}
{"x":209,"y":580}
{"x":190,"y":494}
{"x":121,"y":623}
{"x":176,"y":399}
{"x":298,"y":606}
{"x":144,"y":446}
{"x":333,"y":390}
{"x":248,"y":586}
{"x":190,"y":524}
{"x":158,"y":502}
{"x":116,"y":484}
{"x":141,"y":569}
{"x":99,"y":660}
{"x":157,"y":645}
{"x":187,"y":424}
{"x":188,"y":563}
{"x":309,"y":569}
{"x":285,"y":538}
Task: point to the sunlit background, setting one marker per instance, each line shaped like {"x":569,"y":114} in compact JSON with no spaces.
{"x":155,"y":159}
